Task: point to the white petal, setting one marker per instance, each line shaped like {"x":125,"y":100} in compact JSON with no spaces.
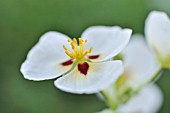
{"x":148,"y":100}
{"x":45,"y":58}
{"x":106,"y":41}
{"x":139,"y":61}
{"x":157,"y":30}
{"x":99,"y":76}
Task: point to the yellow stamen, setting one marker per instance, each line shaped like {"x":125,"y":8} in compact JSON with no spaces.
{"x":90,"y":50}
{"x":65,"y":47}
{"x":69,"y":40}
{"x":78,"y":50}
{"x":74,"y":40}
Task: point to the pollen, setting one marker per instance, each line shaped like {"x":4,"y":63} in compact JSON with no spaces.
{"x":78,"y":49}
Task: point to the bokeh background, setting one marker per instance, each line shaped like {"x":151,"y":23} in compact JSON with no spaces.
{"x":22,"y":22}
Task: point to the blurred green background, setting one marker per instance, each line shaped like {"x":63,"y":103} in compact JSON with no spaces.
{"x":22,"y":22}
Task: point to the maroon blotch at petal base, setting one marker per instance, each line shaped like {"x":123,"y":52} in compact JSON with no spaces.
{"x":83,"y":68}
{"x":93,"y":56}
{"x":68,"y":62}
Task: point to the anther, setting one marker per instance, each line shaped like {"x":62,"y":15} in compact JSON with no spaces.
{"x":74,"y":40}
{"x":69,"y":40}
{"x":80,"y":41}
{"x":90,"y":50}
{"x":65,"y":47}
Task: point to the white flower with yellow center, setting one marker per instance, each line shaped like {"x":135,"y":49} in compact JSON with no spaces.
{"x":148,"y":100}
{"x":83,"y":65}
{"x":157,"y":31}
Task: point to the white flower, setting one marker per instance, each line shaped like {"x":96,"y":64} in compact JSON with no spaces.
{"x":157,"y":31}
{"x":140,"y":68}
{"x":148,"y":100}
{"x":84,"y":67}
{"x":139,"y":62}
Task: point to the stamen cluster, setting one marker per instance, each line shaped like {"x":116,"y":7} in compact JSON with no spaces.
{"x":78,"y":50}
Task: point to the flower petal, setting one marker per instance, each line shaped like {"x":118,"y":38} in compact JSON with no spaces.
{"x":106,"y":41}
{"x":139,"y":61}
{"x":45,"y":58}
{"x":157,"y":30}
{"x":99,"y":76}
{"x":148,"y":100}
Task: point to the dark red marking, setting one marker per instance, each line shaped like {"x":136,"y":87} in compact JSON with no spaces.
{"x":83,"y":68}
{"x":93,"y":56}
{"x":68,"y":62}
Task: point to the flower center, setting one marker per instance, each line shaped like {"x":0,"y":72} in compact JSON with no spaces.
{"x":78,"y":51}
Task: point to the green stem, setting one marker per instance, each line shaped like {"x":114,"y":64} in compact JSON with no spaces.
{"x":109,"y":102}
{"x":155,"y":77}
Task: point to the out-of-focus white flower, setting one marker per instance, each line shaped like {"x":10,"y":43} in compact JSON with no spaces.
{"x":83,"y":63}
{"x":139,"y":62}
{"x":157,"y":31}
{"x":140,"y":68}
{"x":148,"y":100}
